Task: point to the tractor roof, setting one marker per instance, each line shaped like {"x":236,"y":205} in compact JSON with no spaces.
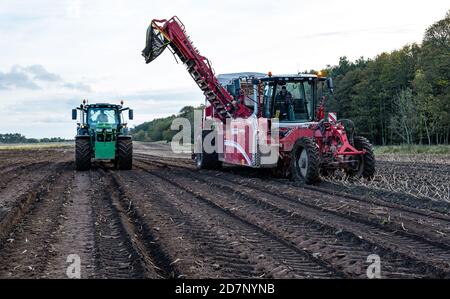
{"x":103,"y":105}
{"x":291,"y":77}
{"x":225,"y":79}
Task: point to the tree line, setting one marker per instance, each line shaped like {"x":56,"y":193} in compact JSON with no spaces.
{"x":401,"y":97}
{"x":15,"y":138}
{"x":159,"y":129}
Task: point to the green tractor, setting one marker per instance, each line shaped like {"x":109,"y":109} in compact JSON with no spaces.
{"x":102,"y":135}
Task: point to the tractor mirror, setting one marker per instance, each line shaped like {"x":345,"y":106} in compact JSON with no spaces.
{"x":130,"y":114}
{"x":74,"y":114}
{"x":330,"y":84}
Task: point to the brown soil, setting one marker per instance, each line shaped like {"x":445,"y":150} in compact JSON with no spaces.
{"x":165,"y":219}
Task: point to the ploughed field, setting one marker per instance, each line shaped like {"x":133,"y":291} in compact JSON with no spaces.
{"x":165,"y":219}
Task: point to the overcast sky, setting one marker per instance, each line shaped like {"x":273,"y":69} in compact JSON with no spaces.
{"x":54,"y":53}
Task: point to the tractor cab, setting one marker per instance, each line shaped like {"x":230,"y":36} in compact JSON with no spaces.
{"x":102,"y":135}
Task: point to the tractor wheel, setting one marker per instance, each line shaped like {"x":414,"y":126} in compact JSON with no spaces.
{"x":205,"y":160}
{"x":305,"y":161}
{"x":124,"y":159}
{"x":365,"y":167}
{"x":83,"y":154}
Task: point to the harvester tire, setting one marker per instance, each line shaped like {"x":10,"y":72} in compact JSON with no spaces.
{"x":305,"y":161}
{"x":83,"y":154}
{"x":206,"y":160}
{"x":124,"y":154}
{"x":366,"y":168}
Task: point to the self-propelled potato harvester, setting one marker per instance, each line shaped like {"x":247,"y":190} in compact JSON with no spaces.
{"x":311,"y":142}
{"x":102,"y":135}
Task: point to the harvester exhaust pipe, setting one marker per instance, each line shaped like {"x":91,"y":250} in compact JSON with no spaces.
{"x":157,"y":41}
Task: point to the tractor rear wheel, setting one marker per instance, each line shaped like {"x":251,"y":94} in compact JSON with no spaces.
{"x":305,"y":161}
{"x":83,"y":154}
{"x":365,"y":166}
{"x":124,"y":154}
{"x":206,"y":160}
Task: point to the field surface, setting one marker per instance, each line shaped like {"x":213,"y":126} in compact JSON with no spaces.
{"x":165,"y":219}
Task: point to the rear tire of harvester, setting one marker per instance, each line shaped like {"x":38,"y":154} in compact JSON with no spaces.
{"x":305,"y":161}
{"x":124,"y":159}
{"x":366,"y":165}
{"x":83,"y":154}
{"x":206,"y":160}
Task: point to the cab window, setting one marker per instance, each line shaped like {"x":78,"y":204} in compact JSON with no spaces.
{"x":102,"y":115}
{"x":295,"y":102}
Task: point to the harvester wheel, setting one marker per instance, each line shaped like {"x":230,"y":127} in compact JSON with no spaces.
{"x":124,"y":154}
{"x":83,"y":154}
{"x":206,"y":160}
{"x":305,"y":161}
{"x":366,"y":165}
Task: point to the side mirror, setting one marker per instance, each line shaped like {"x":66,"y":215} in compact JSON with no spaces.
{"x":130,"y":114}
{"x":330,"y":84}
{"x":74,"y":114}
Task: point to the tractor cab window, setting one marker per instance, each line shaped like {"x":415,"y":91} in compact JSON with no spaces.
{"x":103,"y":116}
{"x":294,"y":101}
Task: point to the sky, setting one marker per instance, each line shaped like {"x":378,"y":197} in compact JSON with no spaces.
{"x":55,"y":53}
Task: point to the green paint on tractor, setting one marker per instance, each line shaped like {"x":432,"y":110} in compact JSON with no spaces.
{"x":105,"y":142}
{"x":105,"y":150}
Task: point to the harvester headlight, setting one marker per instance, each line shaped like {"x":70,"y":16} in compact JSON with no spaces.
{"x":321,"y":74}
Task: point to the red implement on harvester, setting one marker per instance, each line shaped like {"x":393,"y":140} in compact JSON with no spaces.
{"x":308,"y":143}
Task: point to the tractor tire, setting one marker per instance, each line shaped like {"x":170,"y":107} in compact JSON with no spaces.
{"x":205,"y":160}
{"x":83,"y":154}
{"x":305,"y":161}
{"x":124,"y":159}
{"x":366,"y":167}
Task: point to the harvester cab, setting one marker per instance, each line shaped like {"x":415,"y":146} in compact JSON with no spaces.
{"x":102,"y":135}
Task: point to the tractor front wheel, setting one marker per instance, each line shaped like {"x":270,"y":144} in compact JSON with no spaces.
{"x":365,"y":164}
{"x":124,"y":154}
{"x":83,"y":154}
{"x":305,"y":161}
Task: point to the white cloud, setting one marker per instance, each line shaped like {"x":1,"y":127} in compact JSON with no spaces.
{"x":36,"y":77}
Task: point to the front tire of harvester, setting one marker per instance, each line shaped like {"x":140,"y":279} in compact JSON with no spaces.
{"x":305,"y":161}
{"x":83,"y":154}
{"x":206,"y":160}
{"x":366,"y":167}
{"x":124,"y":159}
